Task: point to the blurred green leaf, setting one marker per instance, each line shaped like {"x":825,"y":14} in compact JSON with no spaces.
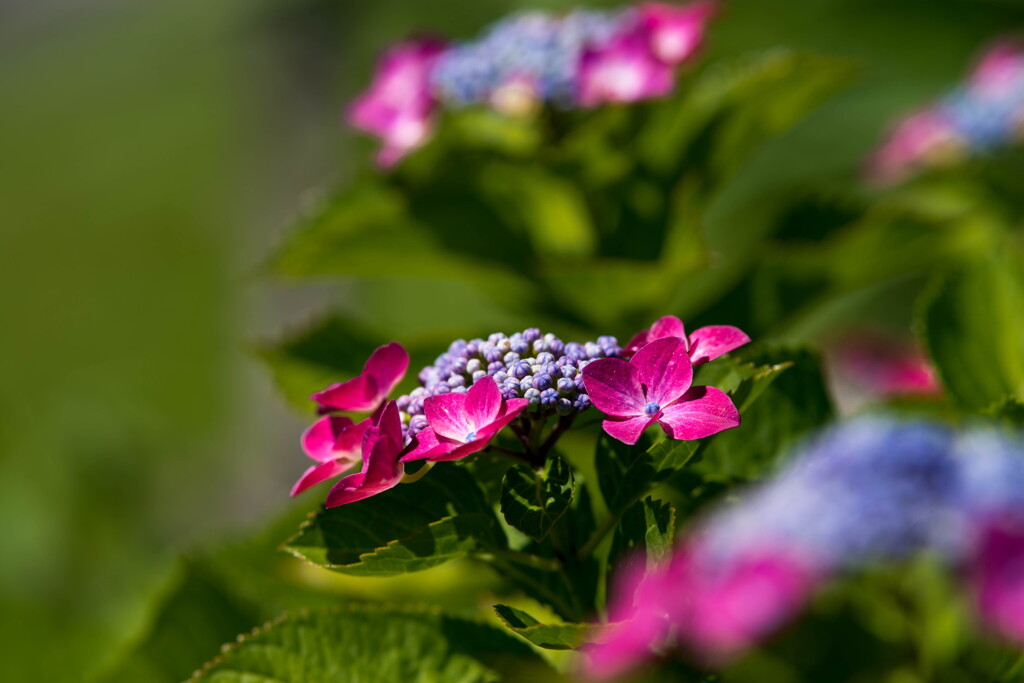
{"x":550,"y":209}
{"x":370,"y":644}
{"x":409,"y":528}
{"x":972,"y":326}
{"x":532,"y":501}
{"x":548,"y":636}
{"x":1009,"y":410}
{"x":193,"y":620}
{"x":781,"y":396}
{"x":748,"y":99}
{"x":628,"y":473}
{"x":648,"y":526}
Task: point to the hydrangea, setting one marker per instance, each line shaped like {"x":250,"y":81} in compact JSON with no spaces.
{"x":984,"y":113}
{"x":871,"y":490}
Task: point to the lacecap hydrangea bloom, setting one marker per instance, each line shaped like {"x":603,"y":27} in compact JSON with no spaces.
{"x":582,"y":58}
{"x":868,"y":491}
{"x":530,"y":383}
{"x":982,"y":114}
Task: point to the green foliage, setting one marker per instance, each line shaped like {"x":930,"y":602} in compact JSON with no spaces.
{"x":407,"y":529}
{"x":548,"y":636}
{"x":371,"y":644}
{"x":781,"y":395}
{"x":194,"y":619}
{"x":648,"y":527}
{"x":533,"y":500}
{"x":972,"y":325}
{"x":627,"y":473}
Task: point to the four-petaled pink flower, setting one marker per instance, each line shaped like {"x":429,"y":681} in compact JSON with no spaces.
{"x":334,"y":442}
{"x":997,"y":576}
{"x":623,"y":70}
{"x":705,"y":344}
{"x":654,"y":386}
{"x":464,"y":423}
{"x":675,"y":31}
{"x":399,"y":105}
{"x":365,"y":393}
{"x":382,"y":469}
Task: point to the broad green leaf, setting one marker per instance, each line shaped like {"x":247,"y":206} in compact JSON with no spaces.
{"x":781,"y":396}
{"x":750,"y":98}
{"x":548,"y":636}
{"x":368,"y":644}
{"x":532,"y":501}
{"x":628,"y":473}
{"x":409,"y":528}
{"x":648,"y":526}
{"x":194,"y":619}
{"x":974,"y":331}
{"x":550,"y":209}
{"x":1009,"y":410}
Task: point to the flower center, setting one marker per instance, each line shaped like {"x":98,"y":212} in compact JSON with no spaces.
{"x":651,"y":409}
{"x":470,"y":437}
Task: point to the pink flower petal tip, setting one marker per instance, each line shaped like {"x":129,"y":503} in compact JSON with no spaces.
{"x":365,"y":393}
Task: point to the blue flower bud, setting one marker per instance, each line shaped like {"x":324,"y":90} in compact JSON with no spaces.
{"x":582,"y":402}
{"x":545,"y":358}
{"x":440,"y":388}
{"x":418,"y":392}
{"x":563,"y":406}
{"x":580,"y":386}
{"x":568,"y":371}
{"x":479,"y":374}
{"x":494,"y":355}
{"x":520,"y":369}
{"x":505,"y":345}
{"x":607,"y":341}
{"x":549,"y":397}
{"x":495,"y":367}
{"x":500,"y":376}
{"x":542,"y":381}
{"x":459,"y":390}
{"x":417,"y":423}
{"x":510,"y":357}
{"x":458,"y":365}
{"x":402,"y":403}
{"x":575,"y":350}
{"x":508,"y":393}
{"x":566,"y":385}
{"x":496,"y":337}
{"x":536,"y":368}
{"x":456,"y":381}
{"x":473,"y":366}
{"x":533,"y":396}
{"x":593,"y":350}
{"x":520,"y":346}
{"x":473,"y":348}
{"x":531,"y":335}
{"x":553,"y":344}
{"x":525,"y":384}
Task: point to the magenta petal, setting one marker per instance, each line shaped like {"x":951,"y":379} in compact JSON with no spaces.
{"x":357,"y":394}
{"x":387,"y":366}
{"x":664,"y":368}
{"x":701,"y":412}
{"x":667,"y":326}
{"x":319,"y":473}
{"x":381,"y":471}
{"x":446,"y":452}
{"x":483,"y":403}
{"x":708,"y":343}
{"x":627,"y":431}
{"x":614,"y":387}
{"x":447,"y":416}
{"x":425,"y":445}
{"x":997,"y":576}
{"x":318,"y":441}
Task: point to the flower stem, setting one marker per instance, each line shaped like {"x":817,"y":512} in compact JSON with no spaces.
{"x":606,"y":526}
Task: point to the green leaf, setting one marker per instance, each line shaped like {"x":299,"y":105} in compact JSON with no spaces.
{"x":366,"y":644}
{"x":647,"y":526}
{"x":196,"y":616}
{"x":409,"y":528}
{"x":628,"y":473}
{"x":548,"y":636}
{"x":1009,"y":410}
{"x":974,"y":331}
{"x":533,"y":501}
{"x":781,"y":396}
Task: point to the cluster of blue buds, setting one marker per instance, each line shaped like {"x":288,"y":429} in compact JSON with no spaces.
{"x":877,"y":489}
{"x":533,"y":50}
{"x":529,"y":364}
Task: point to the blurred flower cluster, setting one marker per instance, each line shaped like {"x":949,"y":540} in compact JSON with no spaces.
{"x":982,"y":114}
{"x":583,"y":58}
{"x":478,"y":387}
{"x":870,"y":491}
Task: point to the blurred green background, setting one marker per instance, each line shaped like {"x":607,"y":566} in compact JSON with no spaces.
{"x":151,"y":155}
